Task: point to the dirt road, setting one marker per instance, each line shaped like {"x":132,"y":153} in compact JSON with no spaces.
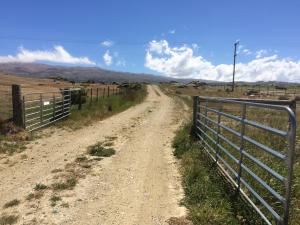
{"x":139,"y":185}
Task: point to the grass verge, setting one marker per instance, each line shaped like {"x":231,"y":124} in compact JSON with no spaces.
{"x":209,"y":198}
{"x":104,"y":107}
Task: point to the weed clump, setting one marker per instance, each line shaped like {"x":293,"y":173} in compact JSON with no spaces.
{"x":54,"y":199}
{"x":35,"y":195}
{"x":8,"y":220}
{"x":12,"y":203}
{"x":69,"y":184}
{"x":40,"y":186}
{"x":100,"y":151}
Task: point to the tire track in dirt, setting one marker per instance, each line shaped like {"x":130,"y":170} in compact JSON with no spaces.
{"x":139,"y":185}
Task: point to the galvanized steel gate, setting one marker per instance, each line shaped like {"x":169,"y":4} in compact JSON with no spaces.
{"x":41,"y":109}
{"x":246,"y":151}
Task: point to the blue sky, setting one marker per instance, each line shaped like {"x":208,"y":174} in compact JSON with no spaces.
{"x":205,"y":30}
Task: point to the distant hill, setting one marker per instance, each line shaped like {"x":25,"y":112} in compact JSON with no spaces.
{"x":96,"y":74}
{"x":78,"y":74}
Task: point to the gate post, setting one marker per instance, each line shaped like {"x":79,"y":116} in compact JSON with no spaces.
{"x":195,"y":111}
{"x":18,"y":109}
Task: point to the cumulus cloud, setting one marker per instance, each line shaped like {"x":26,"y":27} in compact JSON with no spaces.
{"x":57,"y":55}
{"x":181,"y":62}
{"x":107,"y":43}
{"x":107,"y":58}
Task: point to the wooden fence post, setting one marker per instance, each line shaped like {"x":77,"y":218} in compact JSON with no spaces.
{"x":91,"y":96}
{"x":97,"y":94}
{"x":18,"y":109}
{"x":80,"y":100}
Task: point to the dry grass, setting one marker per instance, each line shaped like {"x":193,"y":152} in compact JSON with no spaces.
{"x":8,"y":219}
{"x":12,"y":203}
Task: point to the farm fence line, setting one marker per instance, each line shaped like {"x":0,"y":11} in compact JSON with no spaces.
{"x":34,"y":110}
{"x":252,"y":142}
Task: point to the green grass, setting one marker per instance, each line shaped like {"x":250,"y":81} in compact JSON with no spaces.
{"x":209,"y":198}
{"x":100,"y":151}
{"x":104,"y":107}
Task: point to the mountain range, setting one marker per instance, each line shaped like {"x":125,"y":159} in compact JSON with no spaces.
{"x":97,"y":74}
{"x":79,"y":74}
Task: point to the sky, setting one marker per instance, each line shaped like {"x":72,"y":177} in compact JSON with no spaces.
{"x":180,"y":39}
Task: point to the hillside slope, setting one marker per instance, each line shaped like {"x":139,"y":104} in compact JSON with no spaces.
{"x":77,"y":74}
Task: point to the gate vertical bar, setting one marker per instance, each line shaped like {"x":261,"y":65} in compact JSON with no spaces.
{"x":63,"y":103}
{"x":41,"y":108}
{"x":53,"y":105}
{"x":241,"y":146}
{"x":218,"y":131}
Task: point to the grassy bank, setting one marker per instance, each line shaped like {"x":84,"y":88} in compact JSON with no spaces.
{"x":208,"y":197}
{"x":105,"y":107}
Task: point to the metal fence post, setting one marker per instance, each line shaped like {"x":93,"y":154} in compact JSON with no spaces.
{"x":103,"y":92}
{"x":290,"y":162}
{"x":18,"y":106}
{"x":108,"y":91}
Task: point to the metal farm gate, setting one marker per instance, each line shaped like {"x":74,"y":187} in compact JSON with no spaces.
{"x":253,"y":144}
{"x":41,"y":109}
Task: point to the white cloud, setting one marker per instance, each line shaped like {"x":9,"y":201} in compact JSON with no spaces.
{"x":172,"y":31}
{"x":180,"y":62}
{"x":57,"y":55}
{"x":107,"y":58}
{"x":243,"y":50}
{"x":260,"y":53}
{"x":107,"y":43}
{"x":246,"y":51}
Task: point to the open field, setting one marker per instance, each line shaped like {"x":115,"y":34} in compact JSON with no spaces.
{"x":220,"y":91}
{"x":33,"y":87}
